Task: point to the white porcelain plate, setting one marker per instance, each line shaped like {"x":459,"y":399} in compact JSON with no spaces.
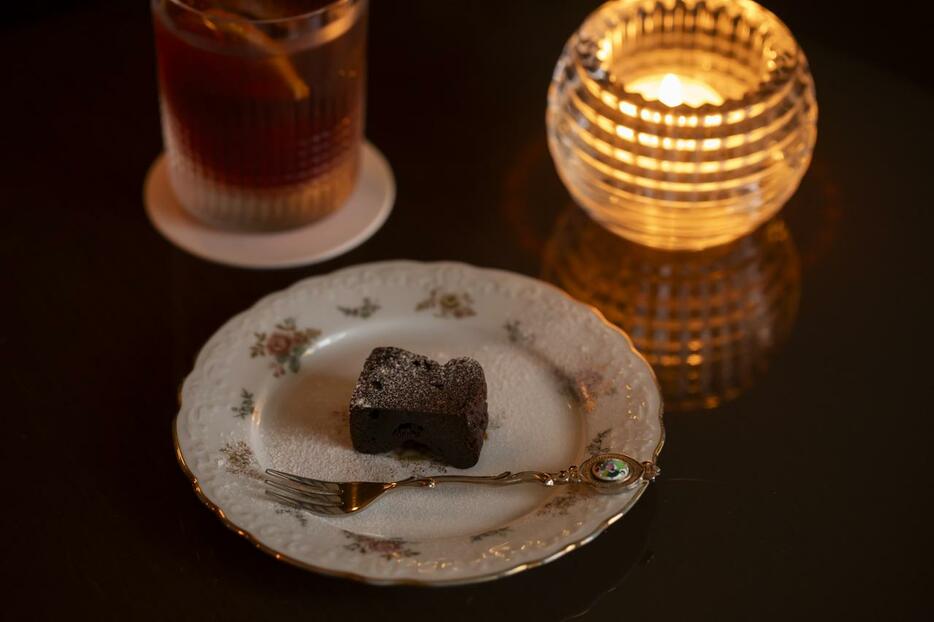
{"x":271,"y":388}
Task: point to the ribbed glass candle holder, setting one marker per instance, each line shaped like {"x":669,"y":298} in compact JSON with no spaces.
{"x":708,"y":322}
{"x":682,"y":124}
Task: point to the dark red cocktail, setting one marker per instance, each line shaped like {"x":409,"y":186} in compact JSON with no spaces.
{"x":262,"y":106}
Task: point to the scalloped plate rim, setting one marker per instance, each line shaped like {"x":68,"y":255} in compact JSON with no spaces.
{"x":383,"y":581}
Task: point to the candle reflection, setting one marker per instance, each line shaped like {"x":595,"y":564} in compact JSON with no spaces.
{"x":708,"y":321}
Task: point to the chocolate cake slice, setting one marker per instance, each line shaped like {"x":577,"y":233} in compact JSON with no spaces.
{"x":404,"y":399}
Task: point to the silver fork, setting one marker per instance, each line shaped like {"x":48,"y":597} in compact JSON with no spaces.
{"x":605,"y":473}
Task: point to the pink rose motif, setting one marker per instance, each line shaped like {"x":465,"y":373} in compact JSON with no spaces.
{"x":278,"y":344}
{"x":285,"y":346}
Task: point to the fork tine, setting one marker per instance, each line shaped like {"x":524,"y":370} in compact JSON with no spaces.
{"x":327,"y":510}
{"x":323,"y":485}
{"x":323,"y":497}
{"x":284,"y":499}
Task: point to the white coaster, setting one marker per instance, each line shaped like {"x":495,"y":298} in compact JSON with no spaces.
{"x":364,"y":213}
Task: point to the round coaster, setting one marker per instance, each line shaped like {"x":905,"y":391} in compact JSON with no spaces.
{"x":364,"y":213}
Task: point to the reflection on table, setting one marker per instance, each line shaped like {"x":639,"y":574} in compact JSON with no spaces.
{"x":708,"y":322}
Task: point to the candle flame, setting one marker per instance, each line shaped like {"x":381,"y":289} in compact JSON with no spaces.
{"x":671,"y":91}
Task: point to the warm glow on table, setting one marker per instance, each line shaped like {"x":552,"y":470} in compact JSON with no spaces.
{"x":673,"y":90}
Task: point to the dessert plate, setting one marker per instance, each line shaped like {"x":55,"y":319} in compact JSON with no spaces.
{"x":271,"y":388}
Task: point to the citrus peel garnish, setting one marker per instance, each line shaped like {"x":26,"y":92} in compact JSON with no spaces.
{"x":235,"y":26}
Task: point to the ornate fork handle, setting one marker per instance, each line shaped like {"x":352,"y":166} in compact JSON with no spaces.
{"x":503,"y":479}
{"x":608,"y":473}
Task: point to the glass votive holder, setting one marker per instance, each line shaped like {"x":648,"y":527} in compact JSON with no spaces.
{"x":262,"y":107}
{"x":682,"y":124}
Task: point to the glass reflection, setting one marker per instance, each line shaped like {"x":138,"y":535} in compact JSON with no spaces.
{"x":708,"y":322}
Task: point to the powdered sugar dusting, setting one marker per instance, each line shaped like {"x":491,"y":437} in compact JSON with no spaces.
{"x":304,"y":430}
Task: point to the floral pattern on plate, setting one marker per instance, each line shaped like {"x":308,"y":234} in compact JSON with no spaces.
{"x":364,"y":310}
{"x":493,"y":533}
{"x":600,"y":443}
{"x":239,"y":460}
{"x":246,"y":407}
{"x":556,"y":371}
{"x":387,"y":548}
{"x":517,"y":334}
{"x":285,"y":345}
{"x":448,"y":304}
{"x":561,"y":504}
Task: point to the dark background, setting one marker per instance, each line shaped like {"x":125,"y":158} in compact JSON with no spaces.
{"x":806,"y":497}
{"x":895,"y":36}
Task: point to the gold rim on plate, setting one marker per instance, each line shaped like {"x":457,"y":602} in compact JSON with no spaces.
{"x":214,"y":508}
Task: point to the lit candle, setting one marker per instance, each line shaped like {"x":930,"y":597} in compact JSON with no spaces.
{"x":683,"y":127}
{"x":673,"y":90}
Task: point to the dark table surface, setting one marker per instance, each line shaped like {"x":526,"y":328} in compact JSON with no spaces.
{"x":806,"y":495}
